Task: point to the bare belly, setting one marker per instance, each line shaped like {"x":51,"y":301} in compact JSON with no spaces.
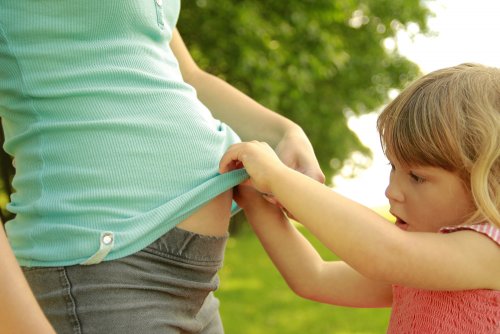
{"x":212,"y":218}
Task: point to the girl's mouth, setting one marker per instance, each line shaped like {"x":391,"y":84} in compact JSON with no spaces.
{"x":401,"y":224}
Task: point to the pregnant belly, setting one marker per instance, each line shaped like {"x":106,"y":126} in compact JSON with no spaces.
{"x":211,"y":219}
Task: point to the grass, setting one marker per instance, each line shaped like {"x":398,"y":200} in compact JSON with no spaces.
{"x":256,"y":300}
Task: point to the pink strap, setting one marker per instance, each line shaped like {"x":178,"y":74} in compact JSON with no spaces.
{"x":488,"y":229}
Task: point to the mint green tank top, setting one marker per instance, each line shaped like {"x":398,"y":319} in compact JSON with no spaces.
{"x":112,"y":148}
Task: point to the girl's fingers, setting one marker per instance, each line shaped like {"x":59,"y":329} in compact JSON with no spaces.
{"x":247,"y":183}
{"x":270,"y":198}
{"x":229,"y":160}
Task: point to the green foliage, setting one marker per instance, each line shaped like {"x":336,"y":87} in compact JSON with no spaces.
{"x":255,"y":299}
{"x":6,"y":174}
{"x":316,"y":62}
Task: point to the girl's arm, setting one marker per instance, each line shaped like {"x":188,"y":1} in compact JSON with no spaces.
{"x":20,"y":311}
{"x":371,"y":245}
{"x":247,"y":117}
{"x":305,"y":272}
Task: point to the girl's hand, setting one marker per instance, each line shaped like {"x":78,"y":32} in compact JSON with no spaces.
{"x":258,"y":158}
{"x":248,"y":198}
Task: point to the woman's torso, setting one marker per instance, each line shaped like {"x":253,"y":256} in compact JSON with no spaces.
{"x":105,"y":133}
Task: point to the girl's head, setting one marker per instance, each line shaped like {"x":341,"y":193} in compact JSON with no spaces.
{"x":450,"y":119}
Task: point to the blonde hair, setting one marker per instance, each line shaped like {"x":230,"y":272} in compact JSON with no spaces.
{"x":450,"y":119}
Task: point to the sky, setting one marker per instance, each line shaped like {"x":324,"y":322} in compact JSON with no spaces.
{"x":463,"y":31}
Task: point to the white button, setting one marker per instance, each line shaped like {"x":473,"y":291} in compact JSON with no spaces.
{"x":159,"y":2}
{"x":107,"y":239}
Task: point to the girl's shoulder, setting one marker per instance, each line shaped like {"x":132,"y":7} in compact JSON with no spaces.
{"x":488,"y":229}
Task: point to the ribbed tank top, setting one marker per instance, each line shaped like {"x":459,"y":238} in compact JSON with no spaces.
{"x":106,"y":135}
{"x":416,"y":311}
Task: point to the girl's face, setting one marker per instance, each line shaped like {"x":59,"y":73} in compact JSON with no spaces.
{"x":424,"y":199}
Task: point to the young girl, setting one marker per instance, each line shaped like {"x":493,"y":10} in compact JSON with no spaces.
{"x":439,"y":265}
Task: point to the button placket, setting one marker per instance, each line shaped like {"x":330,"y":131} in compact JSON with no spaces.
{"x":107,"y":238}
{"x":159,"y":13}
{"x":106,"y":243}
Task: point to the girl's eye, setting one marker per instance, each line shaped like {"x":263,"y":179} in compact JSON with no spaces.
{"x":416,"y":178}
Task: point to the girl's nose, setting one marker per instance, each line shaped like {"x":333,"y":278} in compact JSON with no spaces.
{"x":393,"y":192}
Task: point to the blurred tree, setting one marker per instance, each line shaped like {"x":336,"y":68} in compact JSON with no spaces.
{"x":7,"y":171}
{"x":315,"y":61}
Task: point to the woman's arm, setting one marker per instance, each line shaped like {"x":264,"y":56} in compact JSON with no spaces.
{"x":20,"y":312}
{"x":248,"y":118}
{"x":305,"y":272}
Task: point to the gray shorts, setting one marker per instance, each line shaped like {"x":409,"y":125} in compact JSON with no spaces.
{"x":165,"y":288}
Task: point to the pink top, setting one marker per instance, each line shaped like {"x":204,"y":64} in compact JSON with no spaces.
{"x":425,"y":311}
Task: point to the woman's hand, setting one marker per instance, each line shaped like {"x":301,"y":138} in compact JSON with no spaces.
{"x":295,"y":150}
